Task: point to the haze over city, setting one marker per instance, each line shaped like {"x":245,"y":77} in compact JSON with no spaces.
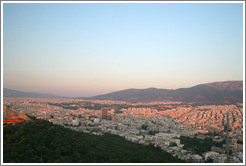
{"x":91,"y":49}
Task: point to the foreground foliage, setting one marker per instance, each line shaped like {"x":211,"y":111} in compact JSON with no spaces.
{"x":41,"y":141}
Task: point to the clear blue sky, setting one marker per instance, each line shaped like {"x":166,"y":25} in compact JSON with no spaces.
{"x":90,"y":49}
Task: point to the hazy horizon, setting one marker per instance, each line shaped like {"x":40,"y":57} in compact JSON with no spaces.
{"x":84,"y":49}
{"x":117,"y":90}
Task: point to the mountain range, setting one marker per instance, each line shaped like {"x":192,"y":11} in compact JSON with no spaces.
{"x":218,"y":93}
{"x":213,"y":93}
{"x":16,"y":93}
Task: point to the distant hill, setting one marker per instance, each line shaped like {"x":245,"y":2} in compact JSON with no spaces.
{"x":214,"y":93}
{"x":39,"y":141}
{"x":16,"y":93}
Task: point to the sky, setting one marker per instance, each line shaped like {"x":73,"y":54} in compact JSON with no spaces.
{"x":83,"y":49}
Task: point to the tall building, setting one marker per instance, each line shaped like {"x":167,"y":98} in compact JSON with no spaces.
{"x":104,"y":113}
{"x":5,"y":107}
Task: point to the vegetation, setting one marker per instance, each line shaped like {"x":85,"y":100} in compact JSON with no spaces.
{"x":40,"y":141}
{"x":199,"y":146}
{"x":240,"y":142}
{"x":116,"y":107}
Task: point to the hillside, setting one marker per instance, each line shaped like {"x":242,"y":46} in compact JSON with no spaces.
{"x":9,"y":114}
{"x":213,"y":93}
{"x":41,"y":141}
{"x":16,"y":93}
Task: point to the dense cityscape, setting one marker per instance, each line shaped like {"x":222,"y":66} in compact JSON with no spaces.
{"x":162,"y":124}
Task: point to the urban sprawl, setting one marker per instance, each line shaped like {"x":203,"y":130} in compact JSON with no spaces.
{"x":161,"y":124}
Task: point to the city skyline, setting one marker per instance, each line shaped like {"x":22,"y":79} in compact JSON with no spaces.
{"x":85,"y":49}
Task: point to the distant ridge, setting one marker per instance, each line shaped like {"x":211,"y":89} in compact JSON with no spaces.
{"x":16,"y":93}
{"x":226,"y":92}
{"x":214,"y":93}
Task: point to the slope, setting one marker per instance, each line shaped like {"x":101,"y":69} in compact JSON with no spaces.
{"x":41,"y":141}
